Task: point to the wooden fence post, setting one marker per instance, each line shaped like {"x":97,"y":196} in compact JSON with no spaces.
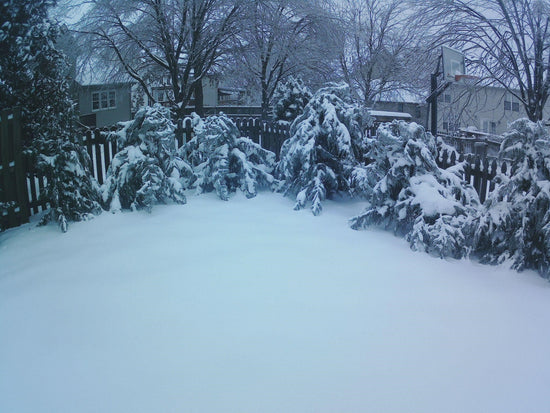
{"x":98,"y":138}
{"x":12,"y":169}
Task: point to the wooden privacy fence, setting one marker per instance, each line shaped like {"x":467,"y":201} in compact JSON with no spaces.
{"x":478,"y":171}
{"x":22,"y":185}
{"x":269,"y":135}
{"x":13,"y":183}
{"x":102,"y":149}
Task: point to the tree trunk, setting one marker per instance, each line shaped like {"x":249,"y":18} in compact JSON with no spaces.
{"x":199,"y":98}
{"x":265,"y":103}
{"x":180,"y":130}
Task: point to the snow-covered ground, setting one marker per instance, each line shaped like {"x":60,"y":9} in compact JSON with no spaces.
{"x":248,"y":306}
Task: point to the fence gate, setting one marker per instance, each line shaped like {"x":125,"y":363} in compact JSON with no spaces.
{"x":13,"y":182}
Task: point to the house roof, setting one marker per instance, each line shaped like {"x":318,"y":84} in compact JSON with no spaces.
{"x":393,"y":115}
{"x":401,"y":95}
{"x":103,"y":85}
{"x":95,"y":72}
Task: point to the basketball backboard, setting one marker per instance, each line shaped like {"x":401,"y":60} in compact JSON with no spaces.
{"x":453,"y":63}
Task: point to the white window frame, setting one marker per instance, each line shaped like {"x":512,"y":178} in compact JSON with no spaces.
{"x":105,"y":100}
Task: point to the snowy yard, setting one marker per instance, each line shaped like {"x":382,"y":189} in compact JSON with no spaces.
{"x":248,"y":306}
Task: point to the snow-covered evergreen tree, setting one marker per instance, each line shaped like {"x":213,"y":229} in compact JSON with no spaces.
{"x":415,"y":198}
{"x":325,"y":146}
{"x":223,"y":161}
{"x":146,"y":170}
{"x":33,"y":77}
{"x":71,"y":191}
{"x":30,"y":65}
{"x":515,"y":223}
{"x":290,"y":98}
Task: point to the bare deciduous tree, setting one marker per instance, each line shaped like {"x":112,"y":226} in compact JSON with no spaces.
{"x":508,"y":42}
{"x":278,"y":38}
{"x":378,"y":45}
{"x":178,"y":40}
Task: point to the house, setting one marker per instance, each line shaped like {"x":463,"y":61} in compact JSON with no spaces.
{"x":214,"y":94}
{"x":103,"y":98}
{"x":487,"y":109}
{"x":104,"y":104}
{"x":401,"y":104}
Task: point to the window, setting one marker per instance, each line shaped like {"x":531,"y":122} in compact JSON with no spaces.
{"x":95,"y":101}
{"x":446,"y":126}
{"x":447,"y":98}
{"x":489,"y":126}
{"x":511,"y":105}
{"x":104,"y":100}
{"x":400,"y":107}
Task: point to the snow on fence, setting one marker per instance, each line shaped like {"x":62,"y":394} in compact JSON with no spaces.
{"x":478,"y":170}
{"x":472,"y":144}
{"x":270,"y":135}
{"x":13,"y":200}
{"x":102,"y":150}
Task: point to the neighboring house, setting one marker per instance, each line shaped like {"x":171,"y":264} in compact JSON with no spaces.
{"x":487,"y":109}
{"x":402,"y":104}
{"x":214,"y":94}
{"x":104,"y":104}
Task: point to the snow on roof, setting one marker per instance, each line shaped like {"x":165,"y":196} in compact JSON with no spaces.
{"x":402,"y":96}
{"x":386,"y":114}
{"x":98,"y":73}
{"x":230,"y":90}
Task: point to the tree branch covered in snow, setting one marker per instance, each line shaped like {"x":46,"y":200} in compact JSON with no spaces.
{"x":289,"y":99}
{"x":515,"y":223}
{"x":325,"y":146}
{"x":34,"y":77}
{"x":415,"y":198}
{"x":146,"y":171}
{"x":223,"y":161}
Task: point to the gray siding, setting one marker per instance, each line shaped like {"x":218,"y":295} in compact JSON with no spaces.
{"x":418,"y":111}
{"x":108,"y":116}
{"x":489,"y":109}
{"x":210,"y":92}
